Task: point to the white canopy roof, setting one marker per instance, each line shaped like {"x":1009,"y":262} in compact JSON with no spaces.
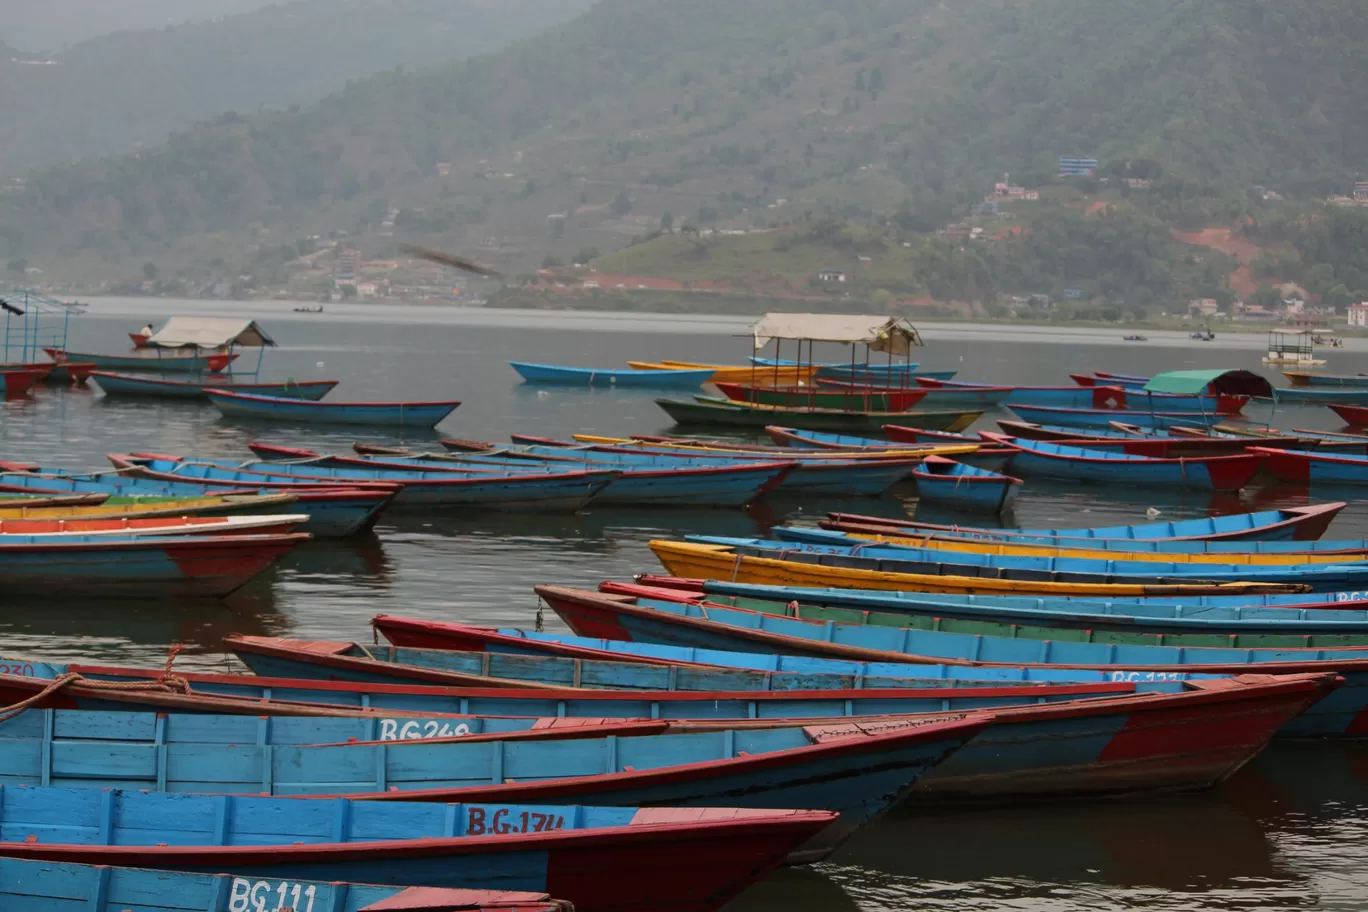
{"x":880,"y":333}
{"x":209,"y":332}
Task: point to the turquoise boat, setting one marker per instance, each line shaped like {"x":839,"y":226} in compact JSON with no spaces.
{"x":615,"y":377}
{"x":942,"y":480}
{"x":1320,"y":395}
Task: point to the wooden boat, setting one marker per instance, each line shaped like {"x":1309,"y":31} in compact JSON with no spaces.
{"x":67,"y":373}
{"x":565,"y":491}
{"x":604,"y":858}
{"x":1311,"y":468}
{"x":1309,"y":378}
{"x":333,"y":512}
{"x":689,"y":446}
{"x":825,"y":547}
{"x":1257,"y":553}
{"x":1103,"y":418}
{"x":611,"y":376}
{"x":16,"y":383}
{"x":1184,"y":442}
{"x":868,"y":636}
{"x":371,"y":414}
{"x":176,"y":360}
{"x":706,"y":410}
{"x":866,"y":376}
{"x":643,"y":480}
{"x":102,"y":508}
{"x":817,"y":440}
{"x":710,"y":561}
{"x":1321,"y":395}
{"x":139,"y":567}
{"x":734,"y":373}
{"x":814,"y":397}
{"x":1353,"y":415}
{"x":61,"y":886}
{"x":1302,"y":524}
{"x":1113,"y":397}
{"x":139,"y":339}
{"x":59,"y":529}
{"x":946,"y":481}
{"x":936,"y":393}
{"x":1072,"y":463}
{"x":857,"y":772}
{"x":619,"y":689}
{"x":155,"y":387}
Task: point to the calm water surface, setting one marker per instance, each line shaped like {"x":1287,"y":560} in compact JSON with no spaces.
{"x":1287,"y":833}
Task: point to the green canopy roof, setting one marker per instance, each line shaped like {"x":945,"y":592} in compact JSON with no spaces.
{"x":1192,"y":382}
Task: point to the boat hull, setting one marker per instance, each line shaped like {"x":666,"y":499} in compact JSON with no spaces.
{"x":1104,"y":418}
{"x":988,"y":491}
{"x":738,"y":414}
{"x":151,"y":387}
{"x":668,"y":378}
{"x":1081,"y":464}
{"x":157,"y":360}
{"x":369,"y":414}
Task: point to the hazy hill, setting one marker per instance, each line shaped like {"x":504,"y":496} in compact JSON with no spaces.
{"x":749,"y":113}
{"x":47,"y":25}
{"x":140,"y":86}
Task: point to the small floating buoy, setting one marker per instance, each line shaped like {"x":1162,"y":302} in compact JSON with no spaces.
{"x":1151,"y":513}
{"x":318,"y":364}
{"x":543,"y":394}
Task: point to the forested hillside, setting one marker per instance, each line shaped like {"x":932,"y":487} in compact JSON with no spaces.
{"x":718,"y":112}
{"x":48,"y":25}
{"x":110,"y":93}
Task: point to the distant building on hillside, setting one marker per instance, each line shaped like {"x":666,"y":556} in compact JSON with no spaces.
{"x":1139,"y":183}
{"x":1358,"y":314}
{"x":1077,"y":167}
{"x":348,"y":265}
{"x":1205,"y":307}
{"x":1003,"y":190}
{"x":1073,"y":294}
{"x":831,"y":275}
{"x":1361,"y":191}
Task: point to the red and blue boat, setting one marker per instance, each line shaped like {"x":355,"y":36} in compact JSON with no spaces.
{"x":1109,"y":397}
{"x":598,"y":858}
{"x":946,"y":481}
{"x":1105,"y":418}
{"x":61,"y":886}
{"x":644,"y":615}
{"x":158,"y":360}
{"x":1071,"y":463}
{"x":16,"y":382}
{"x":115,"y":384}
{"x":1313,"y":468}
{"x":134,"y":567}
{"x":370,"y":414}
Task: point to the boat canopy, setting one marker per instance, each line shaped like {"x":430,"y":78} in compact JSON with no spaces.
{"x":895,"y":335}
{"x":209,"y":332}
{"x":1192,"y":382}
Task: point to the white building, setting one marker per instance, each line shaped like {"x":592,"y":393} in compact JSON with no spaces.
{"x":1358,"y":314}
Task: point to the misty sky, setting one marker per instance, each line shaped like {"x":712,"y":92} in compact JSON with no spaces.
{"x":44,"y":25}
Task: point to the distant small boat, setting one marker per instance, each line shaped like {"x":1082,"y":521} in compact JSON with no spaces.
{"x":1322,"y":395}
{"x":1136,"y":338}
{"x":115,"y":384}
{"x":309,"y":310}
{"x":381,"y":414}
{"x":588,"y":376}
{"x":947,"y":481}
{"x":1307,"y":378}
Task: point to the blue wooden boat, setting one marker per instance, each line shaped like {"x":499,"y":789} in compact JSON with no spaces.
{"x":612,"y":376}
{"x":1102,"y":397}
{"x":656,"y":477}
{"x":339,"y":512}
{"x":1294,"y":524}
{"x":115,"y":384}
{"x":874,"y":377}
{"x":1314,"y":468}
{"x":1321,"y":395}
{"x":1103,"y":418}
{"x":60,"y":886}
{"x":106,"y":566}
{"x":291,"y":662}
{"x":899,"y":367}
{"x":567,"y":491}
{"x":158,"y":360}
{"x":947,"y":481}
{"x":1070,"y":463}
{"x":370,"y":414}
{"x":931,"y":395}
{"x":1309,"y":378}
{"x":595,"y":857}
{"x":815,"y":545}
{"x":860,"y":774}
{"x":709,"y":626}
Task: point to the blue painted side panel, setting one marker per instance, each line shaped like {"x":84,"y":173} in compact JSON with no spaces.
{"x":1103,"y":417}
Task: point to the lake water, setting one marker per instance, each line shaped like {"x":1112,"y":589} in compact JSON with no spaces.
{"x":1287,"y":833}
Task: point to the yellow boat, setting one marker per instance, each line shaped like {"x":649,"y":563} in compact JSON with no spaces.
{"x":1028,"y":550}
{"x":730,"y":373}
{"x":231,"y":504}
{"x":721,"y":562}
{"x":701,"y":449}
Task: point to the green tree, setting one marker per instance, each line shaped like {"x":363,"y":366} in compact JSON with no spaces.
{"x":150,"y":271}
{"x":667,"y":221}
{"x":621,"y":204}
{"x":585,"y":254}
{"x":551,"y":261}
{"x":876,"y":83}
{"x":882,"y":299}
{"x":348,"y":291}
{"x":18,"y":265}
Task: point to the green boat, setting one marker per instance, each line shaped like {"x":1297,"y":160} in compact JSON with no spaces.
{"x":707,"y":410}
